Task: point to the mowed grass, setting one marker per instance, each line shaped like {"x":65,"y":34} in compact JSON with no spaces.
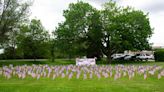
{"x":137,"y":84}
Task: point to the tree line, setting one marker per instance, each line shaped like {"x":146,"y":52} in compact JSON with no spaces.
{"x":86,"y":31}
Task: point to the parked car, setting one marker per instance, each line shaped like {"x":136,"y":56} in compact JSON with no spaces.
{"x":118,"y":56}
{"x":129,"y":57}
{"x":144,"y":57}
{"x":132,"y":57}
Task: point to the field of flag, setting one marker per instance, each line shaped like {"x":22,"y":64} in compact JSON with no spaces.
{"x":69,"y":72}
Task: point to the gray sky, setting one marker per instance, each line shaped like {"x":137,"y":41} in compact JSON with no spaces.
{"x":50,"y":13}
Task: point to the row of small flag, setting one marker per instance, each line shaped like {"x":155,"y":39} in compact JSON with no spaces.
{"x":84,"y":72}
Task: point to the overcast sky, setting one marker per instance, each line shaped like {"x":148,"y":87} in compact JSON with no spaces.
{"x":50,"y":13}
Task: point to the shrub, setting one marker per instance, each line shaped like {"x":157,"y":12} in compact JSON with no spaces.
{"x":159,"y":55}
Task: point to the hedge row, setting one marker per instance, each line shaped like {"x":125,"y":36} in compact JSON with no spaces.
{"x":159,"y":55}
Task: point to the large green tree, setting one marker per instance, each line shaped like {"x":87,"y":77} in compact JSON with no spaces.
{"x":73,"y":32}
{"x":110,"y":30}
{"x":12,"y":14}
{"x":123,"y":29}
{"x":33,"y":40}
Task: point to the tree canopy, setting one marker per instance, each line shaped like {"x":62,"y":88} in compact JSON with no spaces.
{"x":33,"y":40}
{"x":110,"y":30}
{"x":86,"y":31}
{"x":12,"y":14}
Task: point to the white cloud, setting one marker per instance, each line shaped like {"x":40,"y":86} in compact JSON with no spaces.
{"x":50,"y":13}
{"x":157,"y":21}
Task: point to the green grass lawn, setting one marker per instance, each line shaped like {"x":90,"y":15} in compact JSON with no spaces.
{"x":137,"y":84}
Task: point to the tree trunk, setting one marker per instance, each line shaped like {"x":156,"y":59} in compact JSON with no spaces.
{"x":52,"y":54}
{"x":53,"y":57}
{"x":70,"y":57}
{"x":109,"y":59}
{"x":34,"y":56}
{"x":34,"y":59}
{"x":14,"y":53}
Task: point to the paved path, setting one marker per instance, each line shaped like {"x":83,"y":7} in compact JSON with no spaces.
{"x":24,"y":60}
